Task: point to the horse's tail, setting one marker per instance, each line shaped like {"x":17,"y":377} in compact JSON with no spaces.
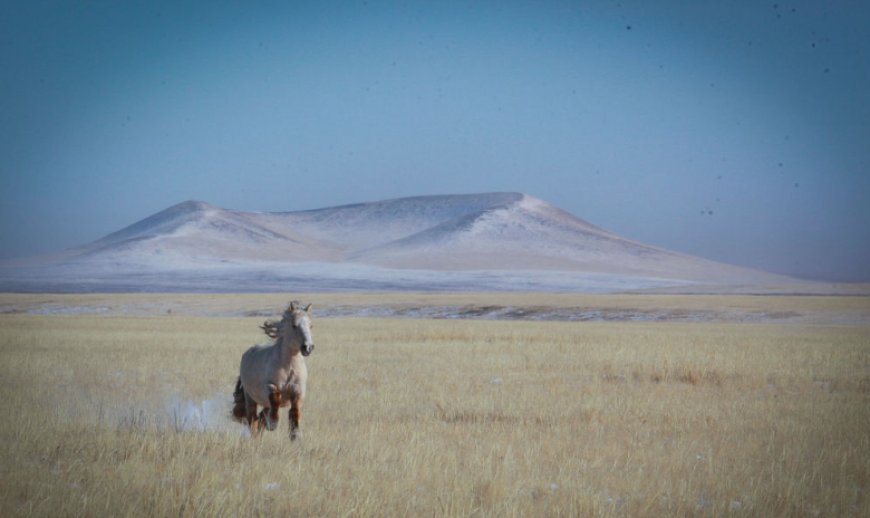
{"x":239,"y":401}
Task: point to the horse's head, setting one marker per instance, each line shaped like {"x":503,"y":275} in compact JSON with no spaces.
{"x":294,"y":328}
{"x":298,"y":325}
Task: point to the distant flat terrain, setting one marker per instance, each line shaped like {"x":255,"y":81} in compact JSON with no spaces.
{"x":483,"y":306}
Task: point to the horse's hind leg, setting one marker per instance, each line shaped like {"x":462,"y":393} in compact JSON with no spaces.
{"x":239,"y":408}
{"x":295,"y":413}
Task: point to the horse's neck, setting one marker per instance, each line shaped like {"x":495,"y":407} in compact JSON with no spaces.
{"x":287,"y":352}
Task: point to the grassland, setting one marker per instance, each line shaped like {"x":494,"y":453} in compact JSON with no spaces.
{"x":128,"y":416}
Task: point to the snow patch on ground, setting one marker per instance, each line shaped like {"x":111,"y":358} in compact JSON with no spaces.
{"x":541,"y":313}
{"x":177,"y":274}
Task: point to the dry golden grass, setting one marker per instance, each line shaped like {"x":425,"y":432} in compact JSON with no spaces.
{"x":457,"y":418}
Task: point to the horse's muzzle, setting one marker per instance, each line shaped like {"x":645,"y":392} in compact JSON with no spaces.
{"x":306,"y":349}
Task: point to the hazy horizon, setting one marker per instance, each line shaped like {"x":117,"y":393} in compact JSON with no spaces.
{"x":732,"y":132}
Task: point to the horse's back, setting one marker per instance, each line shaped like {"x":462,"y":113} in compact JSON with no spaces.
{"x":253,"y":368}
{"x":257,"y":350}
{"x":255,"y":357}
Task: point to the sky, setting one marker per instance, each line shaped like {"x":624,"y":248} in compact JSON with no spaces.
{"x":733,"y":130}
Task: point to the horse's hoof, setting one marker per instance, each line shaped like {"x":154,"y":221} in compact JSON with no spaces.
{"x":295,"y":434}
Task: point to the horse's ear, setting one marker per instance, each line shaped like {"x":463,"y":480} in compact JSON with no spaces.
{"x":307,"y":308}
{"x":293,"y":306}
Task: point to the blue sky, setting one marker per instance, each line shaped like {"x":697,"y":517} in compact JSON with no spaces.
{"x":737,"y":131}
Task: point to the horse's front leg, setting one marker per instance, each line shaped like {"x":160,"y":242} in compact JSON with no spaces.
{"x":295,"y":412}
{"x":271,"y":414}
{"x":254,"y":421}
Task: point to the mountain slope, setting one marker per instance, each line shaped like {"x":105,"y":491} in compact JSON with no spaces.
{"x":197,"y":230}
{"x":530,"y":234}
{"x":364,"y":225}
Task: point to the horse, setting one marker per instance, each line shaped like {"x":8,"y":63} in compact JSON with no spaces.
{"x":274,"y":375}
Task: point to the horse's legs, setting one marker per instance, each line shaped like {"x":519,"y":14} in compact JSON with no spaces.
{"x":271,"y":418}
{"x":251,"y":415}
{"x":295,"y":408}
{"x":239,"y":411}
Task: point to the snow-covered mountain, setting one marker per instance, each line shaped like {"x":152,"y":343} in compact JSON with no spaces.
{"x":487,"y":241}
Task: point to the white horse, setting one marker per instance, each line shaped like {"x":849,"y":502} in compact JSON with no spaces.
{"x":274,"y":375}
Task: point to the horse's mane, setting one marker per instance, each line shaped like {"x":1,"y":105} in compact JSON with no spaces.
{"x":272,"y":328}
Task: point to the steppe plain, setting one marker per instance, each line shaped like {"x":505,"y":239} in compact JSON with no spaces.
{"x":503,"y":404}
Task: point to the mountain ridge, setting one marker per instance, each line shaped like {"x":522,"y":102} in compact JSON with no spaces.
{"x":503,"y":234}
